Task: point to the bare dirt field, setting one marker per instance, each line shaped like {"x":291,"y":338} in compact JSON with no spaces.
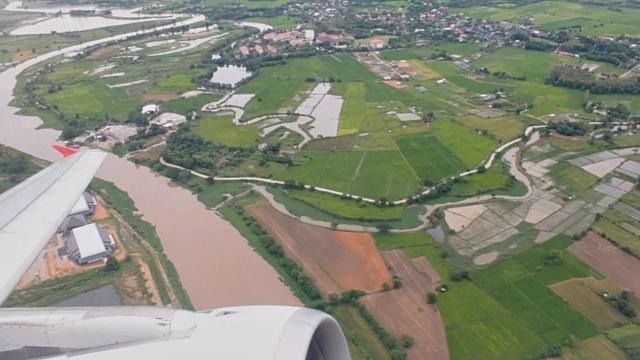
{"x":99,"y":212}
{"x":159,"y":96}
{"x":557,"y":135}
{"x":336,"y":260}
{"x":107,"y":50}
{"x":486,"y":258}
{"x":609,"y":260}
{"x":333,"y":143}
{"x":396,"y":84}
{"x":153,"y":153}
{"x":405,"y":310}
{"x":130,"y":286}
{"x":149,"y":282}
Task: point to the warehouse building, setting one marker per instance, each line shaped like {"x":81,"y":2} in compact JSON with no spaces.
{"x":79,"y":212}
{"x":89,"y":243}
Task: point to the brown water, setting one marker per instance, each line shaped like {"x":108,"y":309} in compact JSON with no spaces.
{"x":215,"y":263}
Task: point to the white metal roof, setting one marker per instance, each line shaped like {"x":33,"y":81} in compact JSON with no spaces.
{"x":80,"y":206}
{"x":89,"y":240}
{"x":149,"y":108}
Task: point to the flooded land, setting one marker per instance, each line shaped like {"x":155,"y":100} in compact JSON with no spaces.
{"x":230,"y":75}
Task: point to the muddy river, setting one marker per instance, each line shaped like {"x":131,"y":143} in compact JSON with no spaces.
{"x":215,"y":263}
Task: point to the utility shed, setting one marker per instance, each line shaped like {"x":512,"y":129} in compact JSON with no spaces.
{"x":89,"y":243}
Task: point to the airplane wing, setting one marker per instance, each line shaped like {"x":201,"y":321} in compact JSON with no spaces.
{"x":31,"y":212}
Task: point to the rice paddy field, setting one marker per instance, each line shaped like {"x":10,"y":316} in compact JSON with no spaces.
{"x":503,"y":128}
{"x":571,"y":179}
{"x":220,"y":129}
{"x":626,"y":337}
{"x":551,"y":15}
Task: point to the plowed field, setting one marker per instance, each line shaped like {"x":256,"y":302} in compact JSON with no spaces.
{"x":405,"y":310}
{"x":336,"y":260}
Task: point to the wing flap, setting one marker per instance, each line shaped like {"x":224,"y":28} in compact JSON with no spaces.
{"x":31,"y":212}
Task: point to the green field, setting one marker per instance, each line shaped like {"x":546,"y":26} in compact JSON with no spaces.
{"x":598,"y":347}
{"x":179,"y":82}
{"x":213,"y":195}
{"x":97,"y":100}
{"x":571,"y":179}
{"x":184,"y":106}
{"x":373,"y":174}
{"x":504,"y":128}
{"x":347,"y":207}
{"x":410,"y":214}
{"x":220,"y":129}
{"x":446,"y":149}
{"x":626,"y":337}
{"x":478,"y":327}
{"x":611,"y":225}
{"x":627,"y":140}
{"x":384,"y":174}
{"x":247,"y":3}
{"x":519,"y":283}
{"x":352,"y":114}
{"x":282,"y":22}
{"x":584,"y":297}
{"x":551,"y":15}
{"x":276,"y":86}
{"x":363,"y":342}
{"x":414,"y":244}
{"x":494,"y":180}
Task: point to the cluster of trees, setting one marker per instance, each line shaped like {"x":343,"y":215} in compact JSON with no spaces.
{"x":193,"y":152}
{"x":539,"y":45}
{"x":292,"y":184}
{"x":569,"y":128}
{"x":619,"y":111}
{"x":576,"y":78}
{"x":622,"y":303}
{"x":14,"y":168}
{"x":439,"y":190}
{"x":504,"y":75}
{"x":600,"y":50}
{"x":136,"y":142}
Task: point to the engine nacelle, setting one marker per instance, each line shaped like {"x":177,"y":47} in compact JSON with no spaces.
{"x":246,"y":332}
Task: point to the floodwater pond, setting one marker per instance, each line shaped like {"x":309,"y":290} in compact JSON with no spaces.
{"x":230,"y":74}
{"x":102,"y":296}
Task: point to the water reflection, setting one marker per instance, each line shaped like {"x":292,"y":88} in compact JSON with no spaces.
{"x":103,"y":296}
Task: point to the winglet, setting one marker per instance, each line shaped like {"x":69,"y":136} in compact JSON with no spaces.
{"x":65,"y":151}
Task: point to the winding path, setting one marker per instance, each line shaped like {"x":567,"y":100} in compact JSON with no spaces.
{"x":511,"y":156}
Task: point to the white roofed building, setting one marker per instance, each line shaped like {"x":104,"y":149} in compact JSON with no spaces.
{"x":89,"y":243}
{"x":168,"y":120}
{"x":150,"y":109}
{"x":80,"y":210}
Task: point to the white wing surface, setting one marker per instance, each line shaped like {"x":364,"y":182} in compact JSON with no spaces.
{"x":31,"y":212}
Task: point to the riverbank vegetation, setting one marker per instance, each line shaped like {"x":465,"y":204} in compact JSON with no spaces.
{"x":121,"y":203}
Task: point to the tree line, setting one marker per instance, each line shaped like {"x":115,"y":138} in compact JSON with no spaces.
{"x":577,"y":78}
